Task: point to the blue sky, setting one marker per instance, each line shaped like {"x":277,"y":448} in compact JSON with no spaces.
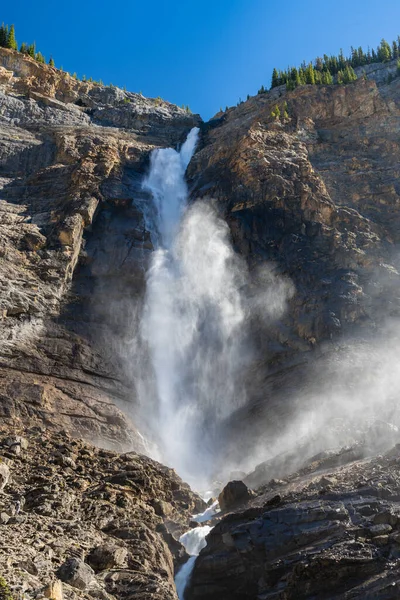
{"x":203,"y":53}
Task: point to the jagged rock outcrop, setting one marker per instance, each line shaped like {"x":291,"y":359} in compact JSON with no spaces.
{"x":88,"y":522}
{"x":72,"y":156}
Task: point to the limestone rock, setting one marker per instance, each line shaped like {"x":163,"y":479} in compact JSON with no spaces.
{"x":54,"y":590}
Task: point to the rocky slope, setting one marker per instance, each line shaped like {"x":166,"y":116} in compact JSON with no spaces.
{"x":79,"y":522}
{"x":72,"y":156}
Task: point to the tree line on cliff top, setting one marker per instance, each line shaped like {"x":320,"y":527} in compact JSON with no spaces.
{"x":8,"y":40}
{"x":335,"y":69}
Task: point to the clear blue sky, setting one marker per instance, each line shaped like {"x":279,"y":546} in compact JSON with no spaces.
{"x":203,"y":53}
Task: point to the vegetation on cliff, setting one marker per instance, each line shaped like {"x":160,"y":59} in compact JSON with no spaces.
{"x":334,"y":69}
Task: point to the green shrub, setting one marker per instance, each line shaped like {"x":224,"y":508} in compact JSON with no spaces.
{"x":5,"y":592}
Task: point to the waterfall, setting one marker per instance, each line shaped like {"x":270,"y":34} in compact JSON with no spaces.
{"x":192,"y":319}
{"x":194,"y":541}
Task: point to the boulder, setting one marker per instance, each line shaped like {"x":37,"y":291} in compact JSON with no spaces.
{"x":106,"y":557}
{"x":234,"y":494}
{"x":76,"y":573}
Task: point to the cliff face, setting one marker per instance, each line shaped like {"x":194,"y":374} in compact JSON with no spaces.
{"x":72,"y":156}
{"x":316,"y":195}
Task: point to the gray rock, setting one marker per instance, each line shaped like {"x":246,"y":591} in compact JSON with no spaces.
{"x":76,"y":573}
{"x":4,"y":518}
{"x":379,"y":530}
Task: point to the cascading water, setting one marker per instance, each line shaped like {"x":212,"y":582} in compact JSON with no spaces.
{"x":193,"y":541}
{"x":192,"y":319}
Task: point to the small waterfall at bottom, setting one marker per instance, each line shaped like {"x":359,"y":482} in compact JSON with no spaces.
{"x":194,"y":541}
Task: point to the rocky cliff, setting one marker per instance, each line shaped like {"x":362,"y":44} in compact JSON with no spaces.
{"x":72,"y":156}
{"x":316,"y":196}
{"x":79,"y":522}
{"x":312,"y":202}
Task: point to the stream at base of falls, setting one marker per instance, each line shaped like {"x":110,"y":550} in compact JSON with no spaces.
{"x":194,"y":541}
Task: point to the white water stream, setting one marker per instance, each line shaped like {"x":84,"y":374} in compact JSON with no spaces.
{"x":194,"y":541}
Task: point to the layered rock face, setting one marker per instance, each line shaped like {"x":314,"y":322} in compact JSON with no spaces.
{"x":316,"y":193}
{"x":74,"y":242}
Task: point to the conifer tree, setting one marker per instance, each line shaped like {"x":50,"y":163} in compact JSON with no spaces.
{"x":276,"y":113}
{"x":342,"y":60}
{"x":51,"y":62}
{"x":24,"y":48}
{"x":319,"y":65}
{"x":384,"y":52}
{"x":32,"y":50}
{"x":275,"y":79}
{"x":3,"y":35}
{"x":40,"y":58}
{"x":310,"y":75}
{"x":11,"y":41}
{"x":285,"y":110}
